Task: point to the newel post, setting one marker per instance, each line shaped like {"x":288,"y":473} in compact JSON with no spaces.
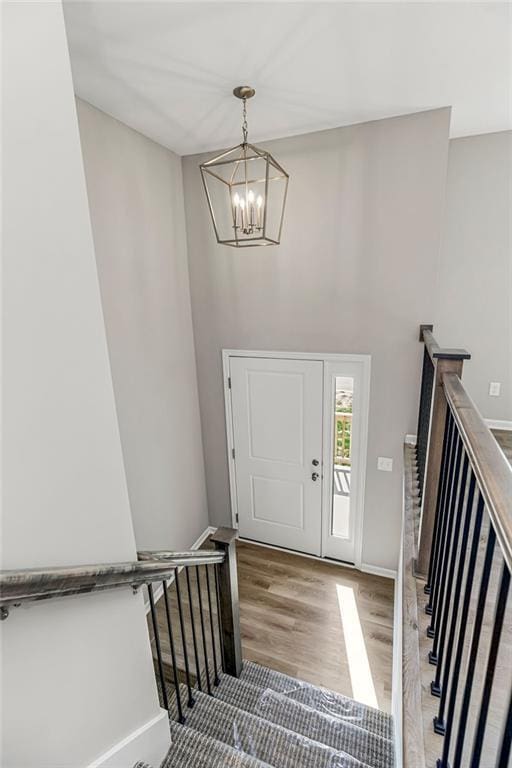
{"x":229,"y":605}
{"x":444,"y":361}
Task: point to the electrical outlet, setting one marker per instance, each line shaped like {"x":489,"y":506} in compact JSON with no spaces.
{"x":494,"y":388}
{"x":385,"y":464}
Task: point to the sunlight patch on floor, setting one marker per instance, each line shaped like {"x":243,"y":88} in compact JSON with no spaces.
{"x":361,"y":678}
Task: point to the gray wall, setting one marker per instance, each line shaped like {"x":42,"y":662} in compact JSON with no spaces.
{"x":357,"y":272}
{"x":77,"y":674}
{"x":475,"y":282}
{"x":136,"y":203}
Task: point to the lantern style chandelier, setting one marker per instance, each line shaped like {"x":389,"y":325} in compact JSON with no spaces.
{"x":246,"y":190}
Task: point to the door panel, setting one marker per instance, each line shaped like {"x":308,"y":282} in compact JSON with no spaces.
{"x":277,"y":430}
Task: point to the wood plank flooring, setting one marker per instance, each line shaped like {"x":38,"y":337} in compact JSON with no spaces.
{"x":504,"y":438}
{"x":291,"y":621}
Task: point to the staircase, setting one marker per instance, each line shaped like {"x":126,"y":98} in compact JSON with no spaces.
{"x":265,"y":718}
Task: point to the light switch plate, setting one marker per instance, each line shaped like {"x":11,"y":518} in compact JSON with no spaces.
{"x":385,"y":464}
{"x":494,"y":388}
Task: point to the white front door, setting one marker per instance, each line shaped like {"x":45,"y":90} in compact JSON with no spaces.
{"x":277,"y":436}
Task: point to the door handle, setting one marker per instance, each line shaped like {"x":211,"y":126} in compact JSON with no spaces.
{"x":315,"y":476}
{"x":315,"y":462}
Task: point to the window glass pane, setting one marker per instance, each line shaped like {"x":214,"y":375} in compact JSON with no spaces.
{"x":342,"y":439}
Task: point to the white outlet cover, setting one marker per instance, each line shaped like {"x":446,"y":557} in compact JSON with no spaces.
{"x":385,"y":464}
{"x":494,"y":388}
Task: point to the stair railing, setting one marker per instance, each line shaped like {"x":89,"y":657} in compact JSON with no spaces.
{"x":469,"y":564}
{"x":431,"y":418}
{"x":194,"y":611}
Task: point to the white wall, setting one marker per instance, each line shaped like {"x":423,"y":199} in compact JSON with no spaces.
{"x":135,"y":191}
{"x":356,"y":272}
{"x":77,"y":673}
{"x":475,"y":280}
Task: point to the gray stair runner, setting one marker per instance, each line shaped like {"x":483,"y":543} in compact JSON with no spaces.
{"x":191,"y":748}
{"x":369,"y":748}
{"x":321,"y":699}
{"x":260,"y":738}
{"x":269,"y":720}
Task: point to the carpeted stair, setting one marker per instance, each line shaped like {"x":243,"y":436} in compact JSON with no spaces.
{"x":267,"y":719}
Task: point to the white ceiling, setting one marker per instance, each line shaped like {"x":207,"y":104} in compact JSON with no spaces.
{"x":167,"y":69}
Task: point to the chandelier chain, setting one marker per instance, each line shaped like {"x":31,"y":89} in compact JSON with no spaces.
{"x":245,"y":129}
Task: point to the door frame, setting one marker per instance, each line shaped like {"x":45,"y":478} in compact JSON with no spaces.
{"x":323,"y":357}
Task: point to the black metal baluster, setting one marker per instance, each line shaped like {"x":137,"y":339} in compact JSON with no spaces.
{"x":201,"y":616}
{"x":442,"y":482}
{"x":444,"y":512}
{"x":475,"y":640}
{"x":506,"y":741}
{"x":158,"y":648}
{"x":217,"y":598}
{"x":439,"y":593}
{"x":454,"y":684}
{"x":427,"y":383}
{"x":181,"y":719}
{"x":183,"y":640}
{"x":439,"y":520}
{"x":499,"y":615}
{"x":444,"y":603}
{"x":194,"y":637}
{"x":216,"y":680}
{"x":444,"y":666}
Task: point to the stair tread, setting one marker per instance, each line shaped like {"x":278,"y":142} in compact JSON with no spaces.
{"x":320,"y":699}
{"x":328,"y":729}
{"x":261,"y":738}
{"x":192,"y":749}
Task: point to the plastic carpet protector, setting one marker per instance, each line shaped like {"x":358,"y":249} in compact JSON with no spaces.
{"x":332,"y":729}
{"x":269,"y":742}
{"x":320,"y":699}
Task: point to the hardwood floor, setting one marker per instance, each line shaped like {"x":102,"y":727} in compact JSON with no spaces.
{"x":323,"y":623}
{"x":504,"y":439}
{"x":326,"y":624}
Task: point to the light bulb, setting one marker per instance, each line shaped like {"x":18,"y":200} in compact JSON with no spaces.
{"x":250,"y":196}
{"x":259,"y":201}
{"x":242,"y":203}
{"x":236,"y":200}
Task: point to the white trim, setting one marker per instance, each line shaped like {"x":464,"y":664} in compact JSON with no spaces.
{"x":499,"y":424}
{"x":324,"y":357}
{"x":230,"y":438}
{"x":149,"y":743}
{"x":361,"y":375}
{"x":411,"y":439}
{"x":377,"y":570}
{"x":196,"y":545}
{"x":300,"y":554}
{"x":320,"y":356}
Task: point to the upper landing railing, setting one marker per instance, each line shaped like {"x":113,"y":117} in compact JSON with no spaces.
{"x":195,"y":630}
{"x":465,"y":552}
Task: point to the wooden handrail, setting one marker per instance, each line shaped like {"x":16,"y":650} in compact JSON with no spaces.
{"x":191,"y":557}
{"x":29,"y":584}
{"x":412,"y":716}
{"x":441,"y":353}
{"x":492,"y":470}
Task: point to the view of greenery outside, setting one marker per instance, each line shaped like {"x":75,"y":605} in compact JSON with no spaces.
{"x":343,"y":427}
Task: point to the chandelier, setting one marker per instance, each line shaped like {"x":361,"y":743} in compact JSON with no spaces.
{"x":246,"y":190}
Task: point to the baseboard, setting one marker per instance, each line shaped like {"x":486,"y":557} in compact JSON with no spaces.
{"x":149,"y":743}
{"x":499,"y":424}
{"x":157,"y":593}
{"x":411,"y":439}
{"x":330,"y":560}
{"x":376,"y":570}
